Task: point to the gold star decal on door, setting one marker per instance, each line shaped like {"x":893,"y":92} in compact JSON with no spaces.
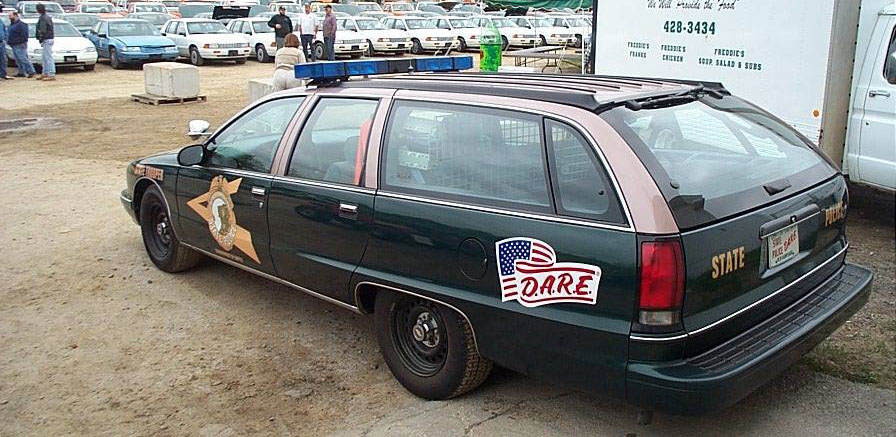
{"x":216,"y":208}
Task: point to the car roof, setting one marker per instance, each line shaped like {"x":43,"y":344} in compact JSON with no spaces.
{"x":192,"y":20}
{"x":587,"y":92}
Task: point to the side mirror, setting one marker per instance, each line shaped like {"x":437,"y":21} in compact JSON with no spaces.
{"x":191,"y":155}
{"x":101,"y":35}
{"x":197,"y":128}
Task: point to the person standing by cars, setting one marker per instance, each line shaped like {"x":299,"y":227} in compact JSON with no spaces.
{"x":17,"y":38}
{"x":3,"y":46}
{"x":329,"y":32}
{"x":284,"y":64}
{"x":282,"y":26}
{"x":307,"y":30}
{"x":44,"y":34}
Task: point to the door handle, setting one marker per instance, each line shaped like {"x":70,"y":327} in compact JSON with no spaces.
{"x":258,"y":191}
{"x":881,"y":93}
{"x":348,"y":208}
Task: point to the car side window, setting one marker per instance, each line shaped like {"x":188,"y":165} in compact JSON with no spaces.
{"x":485,"y":156}
{"x":181,"y":28}
{"x":581,"y":185}
{"x":333,"y":143}
{"x":249,"y":143}
{"x":890,"y":63}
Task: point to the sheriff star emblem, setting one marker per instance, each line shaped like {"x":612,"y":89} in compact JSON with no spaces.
{"x":216,"y":208}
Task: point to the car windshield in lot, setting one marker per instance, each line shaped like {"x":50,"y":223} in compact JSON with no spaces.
{"x":348,"y":9}
{"x":402,"y":7}
{"x":262,"y":27}
{"x":461,"y":23}
{"x":150,"y":7}
{"x":52,"y":8}
{"x":97,"y":8}
{"x":503,"y":22}
{"x":369,"y":24}
{"x":81,"y":20}
{"x":577,"y":22}
{"x":421,"y":23}
{"x":545,"y":22}
{"x":191,"y":10}
{"x":256,"y":10}
{"x":291,"y":8}
{"x":201,"y":27}
{"x":713,"y":158}
{"x":131,"y":28}
{"x":369,"y":7}
{"x":171,"y":3}
{"x":60,"y":29}
{"x":154,"y":18}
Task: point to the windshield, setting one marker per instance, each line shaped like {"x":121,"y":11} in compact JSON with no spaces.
{"x":31,"y":8}
{"x":82,"y":20}
{"x":97,"y":8}
{"x":469,"y":8}
{"x":402,"y":7}
{"x":577,"y":22}
{"x":434,"y":8}
{"x":131,"y":28}
{"x":348,"y":9}
{"x":262,"y":27}
{"x":190,"y":11}
{"x":256,"y":10}
{"x":503,"y":22}
{"x":372,"y":7}
{"x":421,"y":24}
{"x":201,"y":27}
{"x":291,"y":9}
{"x":171,"y":3}
{"x":712,"y":157}
{"x":61,"y":2}
{"x":461,"y":23}
{"x":370,"y":24}
{"x":148,"y":7}
{"x":345,"y":25}
{"x":60,"y":29}
{"x":543,"y":22}
{"x":155,"y":19}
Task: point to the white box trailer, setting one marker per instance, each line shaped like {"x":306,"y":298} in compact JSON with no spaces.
{"x":827,"y":67}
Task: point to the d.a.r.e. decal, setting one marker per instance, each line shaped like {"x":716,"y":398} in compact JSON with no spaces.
{"x":529,"y":274}
{"x":727,"y":262}
{"x":834,"y":213}
{"x":216,"y":208}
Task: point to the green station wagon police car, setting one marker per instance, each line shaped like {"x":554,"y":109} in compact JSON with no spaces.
{"x":661,"y":241}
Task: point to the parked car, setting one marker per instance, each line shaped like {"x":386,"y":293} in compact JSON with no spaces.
{"x":576,"y":24}
{"x":512,"y":35}
{"x":155,"y":18}
{"x":101,"y":9}
{"x":424,"y":34}
{"x":131,"y":41}
{"x":173,"y":7}
{"x":201,"y":40}
{"x":70,"y":48}
{"x":379,"y":39}
{"x":467,"y":33}
{"x":431,"y":8}
{"x":68,"y":5}
{"x":157,"y":7}
{"x":83,"y":22}
{"x":554,"y":232}
{"x":28,"y":9}
{"x":347,"y":42}
{"x":258,"y":35}
{"x":399,"y":8}
{"x":192,"y":9}
{"x":547,"y":31}
{"x":369,"y":7}
{"x":291,"y":8}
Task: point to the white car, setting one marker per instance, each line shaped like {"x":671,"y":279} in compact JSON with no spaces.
{"x":577,"y":25}
{"x":258,"y":34}
{"x":512,"y":35}
{"x":201,"y":39}
{"x":424,"y":34}
{"x":70,"y":48}
{"x":467,"y":33}
{"x":379,"y":39}
{"x":547,"y":31}
{"x":347,"y":42}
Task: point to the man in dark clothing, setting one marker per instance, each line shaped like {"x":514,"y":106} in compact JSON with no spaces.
{"x":18,"y":40}
{"x":44,"y":34}
{"x":3,"y":75}
{"x":282,"y":26}
{"x":330,"y":32}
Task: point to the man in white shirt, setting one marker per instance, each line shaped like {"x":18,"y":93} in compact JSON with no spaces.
{"x":307,"y":30}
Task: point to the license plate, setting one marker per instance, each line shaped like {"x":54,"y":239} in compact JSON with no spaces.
{"x":401,"y":46}
{"x":783,"y":245}
{"x":356,"y":47}
{"x":70,"y":59}
{"x":155,"y":56}
{"x":233,"y":53}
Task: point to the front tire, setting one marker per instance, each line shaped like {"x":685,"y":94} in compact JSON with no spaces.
{"x":240,"y":61}
{"x":114,"y":62}
{"x":463,"y":44}
{"x":261,"y":54}
{"x":416,"y":47}
{"x":544,"y":41}
{"x":429,"y":347}
{"x":319,"y":51}
{"x":89,"y":67}
{"x":195,"y":57}
{"x":370,"y":51}
{"x":162,"y":246}
{"x":505,"y":44}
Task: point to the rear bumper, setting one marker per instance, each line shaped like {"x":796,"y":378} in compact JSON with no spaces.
{"x":729,"y":372}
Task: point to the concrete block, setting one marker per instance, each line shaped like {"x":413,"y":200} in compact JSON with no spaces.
{"x":260,"y":87}
{"x":171,"y":79}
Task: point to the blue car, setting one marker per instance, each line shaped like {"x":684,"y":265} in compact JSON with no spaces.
{"x":130,"y":41}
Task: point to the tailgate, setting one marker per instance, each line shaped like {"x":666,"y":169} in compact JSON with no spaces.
{"x":743,"y":270}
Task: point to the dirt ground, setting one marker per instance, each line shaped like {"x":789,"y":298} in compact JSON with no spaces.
{"x":95,"y":341}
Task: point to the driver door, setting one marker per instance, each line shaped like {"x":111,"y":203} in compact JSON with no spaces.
{"x":222,"y":203}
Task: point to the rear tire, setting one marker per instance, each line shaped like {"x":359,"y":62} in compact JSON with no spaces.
{"x":429,"y":347}
{"x":162,"y":246}
{"x":195,"y":57}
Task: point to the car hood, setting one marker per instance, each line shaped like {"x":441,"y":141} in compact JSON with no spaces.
{"x":219,"y":38}
{"x":423,"y":33}
{"x":146,"y":40}
{"x":162,"y":158}
{"x":383,"y":33}
{"x":64,"y":43}
{"x":554,"y":30}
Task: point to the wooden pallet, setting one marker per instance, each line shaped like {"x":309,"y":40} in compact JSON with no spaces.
{"x":151,"y":99}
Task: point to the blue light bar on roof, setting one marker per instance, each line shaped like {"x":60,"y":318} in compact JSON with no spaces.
{"x":331,"y":71}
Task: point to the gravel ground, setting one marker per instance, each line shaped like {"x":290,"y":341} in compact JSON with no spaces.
{"x":95,"y":341}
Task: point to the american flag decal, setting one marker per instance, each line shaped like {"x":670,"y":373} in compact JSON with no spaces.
{"x":530,"y":274}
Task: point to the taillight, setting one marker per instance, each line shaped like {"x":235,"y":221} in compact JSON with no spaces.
{"x":662,"y":283}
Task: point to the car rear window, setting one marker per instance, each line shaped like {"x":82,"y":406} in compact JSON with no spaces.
{"x":715,"y":157}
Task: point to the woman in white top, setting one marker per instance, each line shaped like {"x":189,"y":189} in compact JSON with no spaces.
{"x":284,"y":61}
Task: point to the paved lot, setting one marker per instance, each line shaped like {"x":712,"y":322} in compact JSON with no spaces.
{"x":95,"y":341}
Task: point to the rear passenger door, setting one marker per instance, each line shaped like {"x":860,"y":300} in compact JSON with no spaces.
{"x":320,"y":214}
{"x":465,"y":191}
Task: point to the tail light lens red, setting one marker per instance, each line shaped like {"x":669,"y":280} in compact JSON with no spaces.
{"x":662,"y":283}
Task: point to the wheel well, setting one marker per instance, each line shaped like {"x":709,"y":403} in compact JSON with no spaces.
{"x":365,"y":295}
{"x":140,"y":188}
